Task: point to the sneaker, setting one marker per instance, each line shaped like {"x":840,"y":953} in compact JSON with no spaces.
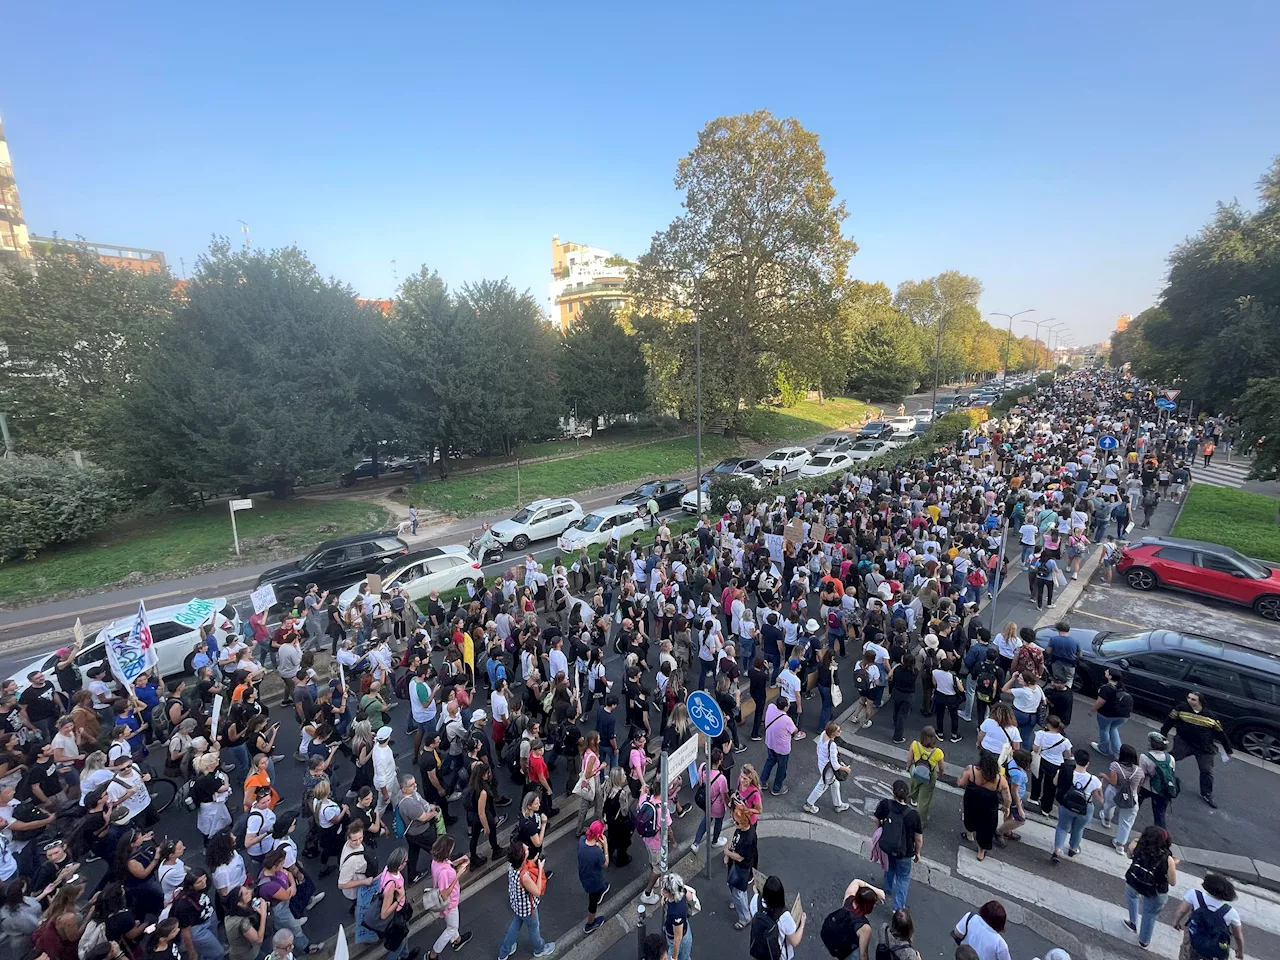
{"x":313,"y":948}
{"x":314,"y":900}
{"x":899,"y":739}
{"x":810,"y":808}
{"x":1209,"y":800}
{"x":479,"y":860}
{"x":593,"y":926}
{"x":741,"y":749}
{"x":956,"y":738}
{"x":783,"y":791}
{"x":603,"y":895}
{"x":693,"y":847}
{"x":502,"y":818}
{"x":648,"y":899}
{"x":462,"y":941}
{"x":547,"y":950}
{"x":757,"y":738}
{"x":456,"y":795}
{"x":842,"y":808}
{"x":722,"y":842}
{"x":867,"y":725}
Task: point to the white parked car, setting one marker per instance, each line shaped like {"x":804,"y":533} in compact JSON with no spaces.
{"x":825,"y":463}
{"x":600,"y":526}
{"x":903,"y":424}
{"x":923,"y":417}
{"x":788,"y":460}
{"x":174,"y":632}
{"x":689,"y":502}
{"x":435,"y":568}
{"x":537,"y":521}
{"x":866,"y":449}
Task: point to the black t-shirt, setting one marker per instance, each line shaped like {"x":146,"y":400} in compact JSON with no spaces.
{"x":1115,"y":703}
{"x":206,"y":786}
{"x":171,"y":952}
{"x":45,"y":776}
{"x":39,"y":703}
{"x":1060,"y":703}
{"x":204,"y":691}
{"x":606,"y":726}
{"x":190,"y":912}
{"x":120,"y":923}
{"x":428,"y":761}
{"x":527,"y":829}
{"x":745,"y":845}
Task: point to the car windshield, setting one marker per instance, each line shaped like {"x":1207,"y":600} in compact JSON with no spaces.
{"x":725,"y":466}
{"x":523,"y":516}
{"x":1251,"y":567}
{"x":874,"y":425}
{"x":1123,"y":644}
{"x":829,"y":441}
{"x":590,"y":522}
{"x":819,"y":461}
{"x":865,"y":445}
{"x":648,"y":490}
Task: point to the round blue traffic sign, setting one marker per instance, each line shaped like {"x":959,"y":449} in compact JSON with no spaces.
{"x":1108,"y":442}
{"x":705,"y":713}
{"x":1164,"y":404}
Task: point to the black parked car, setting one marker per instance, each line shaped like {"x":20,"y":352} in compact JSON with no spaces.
{"x":876,"y":430}
{"x":749,"y":465}
{"x":666,"y":492}
{"x":334,"y":564}
{"x":1241,"y":686}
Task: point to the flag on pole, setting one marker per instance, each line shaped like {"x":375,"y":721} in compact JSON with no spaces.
{"x":132,"y":653}
{"x":340,"y":949}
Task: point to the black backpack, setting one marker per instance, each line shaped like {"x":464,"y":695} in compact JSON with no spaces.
{"x":1074,"y":798}
{"x":985,"y":683}
{"x":893,"y":834}
{"x":840,"y":932}
{"x":764,"y":943}
{"x":1146,"y":877}
{"x":862,"y":680}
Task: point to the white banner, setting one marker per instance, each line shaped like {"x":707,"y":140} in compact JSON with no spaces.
{"x":684,"y":755}
{"x":264,"y":598}
{"x":217,"y":709}
{"x":773,"y":543}
{"x":133,"y":653}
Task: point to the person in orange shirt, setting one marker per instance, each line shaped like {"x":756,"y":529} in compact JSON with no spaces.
{"x":259,"y":776}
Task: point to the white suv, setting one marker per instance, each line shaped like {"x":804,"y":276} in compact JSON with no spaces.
{"x":537,"y":521}
{"x":600,"y":526}
{"x":788,"y":460}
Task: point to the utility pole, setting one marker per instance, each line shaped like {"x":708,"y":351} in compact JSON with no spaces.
{"x":1008,"y":339}
{"x":1035,"y":342}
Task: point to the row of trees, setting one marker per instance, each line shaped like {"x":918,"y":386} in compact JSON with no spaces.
{"x":1215,"y":330}
{"x":261,"y":373}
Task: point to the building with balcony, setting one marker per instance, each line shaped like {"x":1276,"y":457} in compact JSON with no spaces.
{"x":15,"y":244}
{"x":137,"y":259}
{"x":580,"y":275}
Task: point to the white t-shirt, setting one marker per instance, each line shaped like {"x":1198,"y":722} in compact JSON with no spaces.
{"x":1027,"y":699}
{"x":944,"y":681}
{"x":1053,"y":746}
{"x":498,"y":707}
{"x":67,"y":745}
{"x":260,"y":822}
{"x":988,"y":944}
{"x":1232,"y":917}
{"x":789,"y":685}
{"x":230,"y":875}
{"x":993,"y":736}
{"x":786,"y":927}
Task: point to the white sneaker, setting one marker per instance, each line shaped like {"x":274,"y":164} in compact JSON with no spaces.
{"x":648,"y":899}
{"x":693,"y":847}
{"x":723,"y":841}
{"x":842,"y":808}
{"x":810,"y":808}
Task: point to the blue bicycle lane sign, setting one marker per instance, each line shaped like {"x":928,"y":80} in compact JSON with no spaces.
{"x":705,"y":713}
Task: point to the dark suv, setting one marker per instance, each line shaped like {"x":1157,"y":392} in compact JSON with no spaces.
{"x":1241,"y":686}
{"x":335,"y":563}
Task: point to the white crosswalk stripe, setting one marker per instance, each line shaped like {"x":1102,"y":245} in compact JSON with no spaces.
{"x":1219,"y":473}
{"x":1000,"y":872}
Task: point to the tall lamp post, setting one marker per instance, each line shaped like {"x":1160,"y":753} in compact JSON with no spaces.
{"x":1008,"y":339}
{"x":1035,"y":341}
{"x":1057,"y":328}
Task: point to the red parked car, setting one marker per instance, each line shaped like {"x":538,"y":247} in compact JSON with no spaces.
{"x":1207,"y":569}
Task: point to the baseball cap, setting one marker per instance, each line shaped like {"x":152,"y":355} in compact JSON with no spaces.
{"x":794,"y":664}
{"x":384,"y":733}
{"x":478,"y":715}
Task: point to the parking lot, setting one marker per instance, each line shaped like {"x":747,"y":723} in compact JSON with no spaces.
{"x":1121,"y":608}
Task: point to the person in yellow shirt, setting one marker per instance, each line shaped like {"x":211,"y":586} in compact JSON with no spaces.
{"x":924,"y":764}
{"x":934,"y":511}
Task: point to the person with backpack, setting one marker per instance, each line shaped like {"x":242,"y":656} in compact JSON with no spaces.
{"x":1079,"y":794}
{"x":1120,"y":798}
{"x":896,"y":938}
{"x":775,"y":933}
{"x":866,"y":680}
{"x":652,"y":821}
{"x":846,"y":930}
{"x":1210,"y":923}
{"x":741,"y":856}
{"x":830,"y":770}
{"x":711,"y":795}
{"x":1160,"y":783}
{"x":1113,"y":707}
{"x":1199,"y":735}
{"x":901,"y":837}
{"x":985,"y":679}
{"x":1151,"y":873}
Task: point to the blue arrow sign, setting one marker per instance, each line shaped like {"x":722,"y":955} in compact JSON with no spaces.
{"x":1108,"y":442}
{"x":705,"y":713}
{"x":1164,"y":404}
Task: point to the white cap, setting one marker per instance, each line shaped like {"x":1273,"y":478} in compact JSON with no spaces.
{"x":384,"y":733}
{"x":811,"y":626}
{"x":478,"y":715}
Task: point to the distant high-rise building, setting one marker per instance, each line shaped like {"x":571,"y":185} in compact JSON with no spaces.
{"x":15,"y":245}
{"x":1122,"y":322}
{"x":580,"y":275}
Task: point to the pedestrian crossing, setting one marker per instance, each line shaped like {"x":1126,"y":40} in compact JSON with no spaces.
{"x":1001,"y":872}
{"x":1219,"y":473}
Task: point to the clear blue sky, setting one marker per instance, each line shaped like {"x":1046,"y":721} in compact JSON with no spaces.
{"x":1055,"y":151}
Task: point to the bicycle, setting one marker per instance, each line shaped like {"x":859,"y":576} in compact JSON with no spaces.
{"x":163,"y":791}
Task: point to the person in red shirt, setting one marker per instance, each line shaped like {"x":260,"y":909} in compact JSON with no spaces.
{"x":538,"y":774}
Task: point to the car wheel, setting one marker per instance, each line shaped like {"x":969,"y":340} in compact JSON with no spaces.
{"x":1268,"y":606}
{"x":1260,"y":742}
{"x":1141,"y":578}
{"x":520,"y":542}
{"x":464,"y":584}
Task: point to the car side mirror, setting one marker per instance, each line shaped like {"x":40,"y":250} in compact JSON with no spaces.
{"x":1124,"y":662}
{"x":1239,"y":573}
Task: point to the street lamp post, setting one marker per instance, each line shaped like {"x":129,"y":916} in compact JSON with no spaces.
{"x":1008,"y":339}
{"x":1035,"y":341}
{"x":1049,"y":334}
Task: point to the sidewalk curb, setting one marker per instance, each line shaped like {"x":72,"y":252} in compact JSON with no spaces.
{"x":1256,"y":872}
{"x":1073,"y":591}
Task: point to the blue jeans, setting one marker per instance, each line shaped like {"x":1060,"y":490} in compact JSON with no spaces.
{"x":825,"y":714}
{"x":1148,"y":908}
{"x":513,"y":932}
{"x":1026,"y":725}
{"x":716,"y":824}
{"x":741,"y":904}
{"x":706,"y":668}
{"x":205,"y":938}
{"x":285,"y":920}
{"x":1109,"y":736}
{"x":1071,"y":825}
{"x":746,"y":651}
{"x":897,"y":880}
{"x":686,"y":945}
{"x":1027,"y":550}
{"x":775,"y":759}
{"x":239,"y":757}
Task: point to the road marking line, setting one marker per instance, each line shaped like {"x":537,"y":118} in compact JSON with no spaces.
{"x":1105,"y":916}
{"x":1123,"y":623}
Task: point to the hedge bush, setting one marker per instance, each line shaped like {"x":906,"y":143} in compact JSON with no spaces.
{"x":44,"y":502}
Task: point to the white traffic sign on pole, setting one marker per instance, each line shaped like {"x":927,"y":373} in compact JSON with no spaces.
{"x":237,"y":505}
{"x":1172,"y":394}
{"x":684,"y":755}
{"x":241,"y":505}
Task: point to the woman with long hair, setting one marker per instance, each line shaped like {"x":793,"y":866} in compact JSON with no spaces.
{"x":773,"y":901}
{"x":390,"y":898}
{"x":135,"y":866}
{"x":277,"y":886}
{"x":194,"y":910}
{"x":618,"y":801}
{"x":172,"y":871}
{"x":361,"y":755}
{"x":986,"y":800}
{"x":446,"y":875}
{"x":330,"y":818}
{"x":58,"y":932}
{"x":228,"y":865}
{"x":482,"y":815}
{"x":210,"y":790}
{"x":162,"y":942}
{"x":1147,"y":881}
{"x":589,"y":789}
{"x":19,"y":917}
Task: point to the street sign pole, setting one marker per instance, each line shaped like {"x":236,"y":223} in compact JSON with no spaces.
{"x":706,"y":838}
{"x":235,"y":534}
{"x":665,"y":779}
{"x":708,"y":718}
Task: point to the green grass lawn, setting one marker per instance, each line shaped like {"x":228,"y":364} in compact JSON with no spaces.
{"x":177,"y":542}
{"x":1234,"y":518}
{"x":806,"y":419}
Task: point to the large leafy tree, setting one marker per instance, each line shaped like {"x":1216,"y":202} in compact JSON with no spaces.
{"x":601,"y":366}
{"x":260,"y":380}
{"x":885,"y":358}
{"x":1218,"y":326}
{"x":759,"y":256}
{"x":945,"y":309}
{"x":71,"y":332}
{"x":1260,"y":420}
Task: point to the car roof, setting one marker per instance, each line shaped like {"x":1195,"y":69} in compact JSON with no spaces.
{"x":784,"y":450}
{"x":613,"y":510}
{"x":549,"y":501}
{"x":156,"y":614}
{"x":353,"y":538}
{"x":1233,"y":653}
{"x":1190,"y":544}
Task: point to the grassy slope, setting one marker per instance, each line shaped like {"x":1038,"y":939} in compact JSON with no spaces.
{"x":458,"y":496}
{"x":177,"y":542}
{"x":1244,"y":521}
